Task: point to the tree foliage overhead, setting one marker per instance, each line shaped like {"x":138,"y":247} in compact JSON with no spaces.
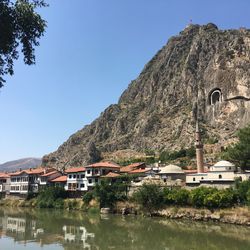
{"x":240,"y":152}
{"x":20,"y":25}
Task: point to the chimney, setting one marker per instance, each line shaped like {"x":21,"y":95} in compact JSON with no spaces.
{"x":199,"y":149}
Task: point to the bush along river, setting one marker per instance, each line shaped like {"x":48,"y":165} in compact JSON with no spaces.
{"x":34,"y":229}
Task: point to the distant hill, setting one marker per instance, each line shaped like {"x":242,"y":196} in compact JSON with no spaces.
{"x":24,"y":163}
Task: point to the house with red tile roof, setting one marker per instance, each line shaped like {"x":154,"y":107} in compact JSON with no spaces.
{"x":29,"y":180}
{"x":76,"y":179}
{"x":96,"y":170}
{"x":141,"y":173}
{"x":59,"y":181}
{"x":45,"y":178}
{"x":133,"y":166}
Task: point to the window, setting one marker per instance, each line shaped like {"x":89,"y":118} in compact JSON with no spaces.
{"x":82,"y":176}
{"x":220,"y":176}
{"x":82,"y":185}
{"x":90,"y":181}
{"x":202,"y":178}
{"x":78,"y":176}
{"x":96,"y":180}
{"x":74,"y":176}
{"x":193,"y":179}
{"x":88,"y":171}
{"x":230,"y":168}
{"x":70,"y":176}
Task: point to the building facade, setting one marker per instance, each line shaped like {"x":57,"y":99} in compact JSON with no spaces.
{"x":76,"y":179}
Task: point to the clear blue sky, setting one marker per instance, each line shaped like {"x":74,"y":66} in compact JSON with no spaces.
{"x":91,"y":51}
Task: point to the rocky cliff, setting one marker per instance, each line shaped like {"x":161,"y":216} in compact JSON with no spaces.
{"x":201,"y":65}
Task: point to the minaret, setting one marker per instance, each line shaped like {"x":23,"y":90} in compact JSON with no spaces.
{"x":199,"y":149}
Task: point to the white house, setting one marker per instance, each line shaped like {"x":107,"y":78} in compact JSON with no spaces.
{"x":28,"y":180}
{"x":76,"y":179}
{"x":45,"y":178}
{"x":96,"y":170}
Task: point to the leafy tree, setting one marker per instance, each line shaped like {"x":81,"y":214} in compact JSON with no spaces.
{"x":198,"y":195}
{"x":181,"y":197}
{"x":20,"y":24}
{"x":108,"y":194}
{"x":51,"y":197}
{"x":150,"y":197}
{"x":240,"y":152}
{"x":241,"y":191}
{"x":190,"y":152}
{"x":87,"y":197}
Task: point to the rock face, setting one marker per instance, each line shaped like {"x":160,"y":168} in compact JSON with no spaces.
{"x":201,"y":65}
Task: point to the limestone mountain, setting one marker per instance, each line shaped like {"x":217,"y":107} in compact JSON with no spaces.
{"x":202,"y":65}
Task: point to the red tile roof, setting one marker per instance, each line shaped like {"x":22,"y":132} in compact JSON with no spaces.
{"x":139,"y":171}
{"x":111,"y":175}
{"x":136,"y":164}
{"x":131,"y":167}
{"x":39,"y":170}
{"x":75,"y":170}
{"x":62,"y":178}
{"x":34,"y":171}
{"x":50,"y":173}
{"x":4,"y":175}
{"x":105,"y":164}
{"x":126,"y":169}
{"x":17,"y":173}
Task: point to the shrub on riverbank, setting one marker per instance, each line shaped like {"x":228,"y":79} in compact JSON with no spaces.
{"x":51,"y":197}
{"x":151,"y":197}
{"x":108,"y":192}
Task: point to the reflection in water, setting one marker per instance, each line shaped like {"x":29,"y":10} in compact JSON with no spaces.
{"x":77,"y":235}
{"x":62,"y":230}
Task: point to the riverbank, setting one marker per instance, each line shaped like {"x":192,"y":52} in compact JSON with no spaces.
{"x":68,"y":204}
{"x":236,"y":215}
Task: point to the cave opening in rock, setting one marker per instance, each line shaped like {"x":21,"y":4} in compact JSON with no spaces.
{"x":215,"y":96}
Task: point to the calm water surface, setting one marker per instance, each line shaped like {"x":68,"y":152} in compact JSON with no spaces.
{"x":24,"y":229}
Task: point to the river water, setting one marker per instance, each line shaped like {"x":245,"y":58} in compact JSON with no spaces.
{"x":27,"y":229}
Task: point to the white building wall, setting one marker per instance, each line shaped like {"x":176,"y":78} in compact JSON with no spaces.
{"x":195,"y":178}
{"x":77,"y":180}
{"x":19,"y":184}
{"x":221,"y":175}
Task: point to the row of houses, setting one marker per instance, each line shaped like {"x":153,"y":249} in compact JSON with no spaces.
{"x":82,"y":179}
{"x":73,"y":179}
